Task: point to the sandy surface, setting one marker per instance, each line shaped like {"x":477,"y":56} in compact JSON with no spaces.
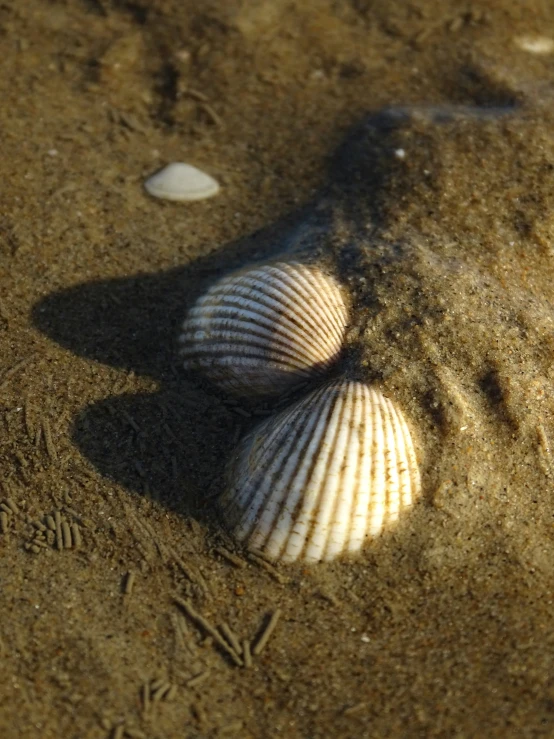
{"x":445,"y":626}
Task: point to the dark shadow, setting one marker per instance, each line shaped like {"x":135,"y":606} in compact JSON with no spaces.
{"x":368,"y":169}
{"x":139,"y":11}
{"x":172,"y":445}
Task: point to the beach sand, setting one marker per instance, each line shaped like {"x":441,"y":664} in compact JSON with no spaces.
{"x":110,"y":457}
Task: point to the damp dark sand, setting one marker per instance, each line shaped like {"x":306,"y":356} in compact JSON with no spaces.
{"x":445,"y":626}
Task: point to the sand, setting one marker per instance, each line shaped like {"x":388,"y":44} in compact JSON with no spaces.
{"x":114,"y":570}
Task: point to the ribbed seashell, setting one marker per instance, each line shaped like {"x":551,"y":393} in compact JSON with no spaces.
{"x":263,"y":330}
{"x":318,"y":479}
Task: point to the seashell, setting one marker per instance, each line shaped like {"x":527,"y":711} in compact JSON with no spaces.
{"x":266,"y":329}
{"x":181,"y":182}
{"x":535,"y":44}
{"x":318,"y":479}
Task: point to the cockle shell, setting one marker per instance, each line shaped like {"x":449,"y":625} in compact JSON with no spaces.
{"x":265,"y":329}
{"x":318,"y":479}
{"x":181,"y":182}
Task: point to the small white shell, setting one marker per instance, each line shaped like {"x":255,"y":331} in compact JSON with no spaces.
{"x":263,"y":330}
{"x":181,"y":182}
{"x":535,"y":44}
{"x":318,"y":479}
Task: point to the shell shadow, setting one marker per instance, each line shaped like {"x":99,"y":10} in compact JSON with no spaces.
{"x":171,"y":445}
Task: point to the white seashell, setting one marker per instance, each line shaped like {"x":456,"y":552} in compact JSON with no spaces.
{"x":318,"y":479}
{"x":181,"y":182}
{"x":263,"y":330}
{"x":535,"y":44}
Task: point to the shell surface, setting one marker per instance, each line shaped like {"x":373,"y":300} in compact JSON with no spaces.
{"x":181,"y":182}
{"x":266,"y":329}
{"x":318,"y":479}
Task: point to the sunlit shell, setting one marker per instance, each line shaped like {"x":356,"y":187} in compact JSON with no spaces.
{"x":181,"y":182}
{"x":318,"y":479}
{"x":263,"y":330}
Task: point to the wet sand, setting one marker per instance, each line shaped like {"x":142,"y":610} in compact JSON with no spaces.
{"x":110,"y":456}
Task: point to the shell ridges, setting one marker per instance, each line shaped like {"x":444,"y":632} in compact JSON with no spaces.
{"x":264,"y":329}
{"x":318,"y":479}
